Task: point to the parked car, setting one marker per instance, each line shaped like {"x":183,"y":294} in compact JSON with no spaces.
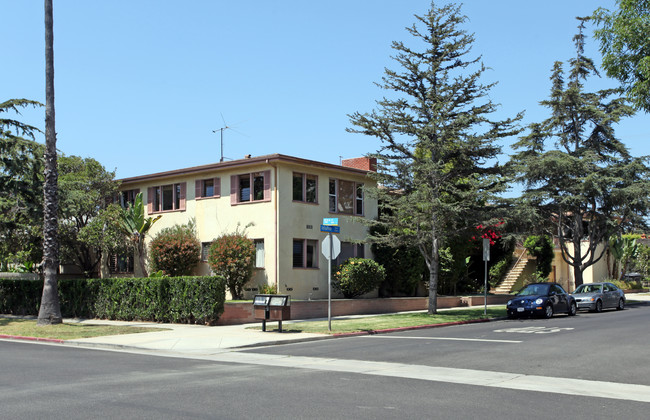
{"x":597,"y":296}
{"x":542,"y":299}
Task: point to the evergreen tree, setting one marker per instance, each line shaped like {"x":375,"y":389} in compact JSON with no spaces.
{"x":436,"y":166}
{"x":575,"y":171}
{"x":21,"y":188}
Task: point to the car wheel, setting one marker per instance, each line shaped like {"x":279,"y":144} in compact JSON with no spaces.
{"x":573,"y":309}
{"x":548,"y":311}
{"x":621,"y":304}
{"x":599,"y":306}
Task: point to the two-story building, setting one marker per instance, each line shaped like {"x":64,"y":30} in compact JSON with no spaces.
{"x":279,"y":200}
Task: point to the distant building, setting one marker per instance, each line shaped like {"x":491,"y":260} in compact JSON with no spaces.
{"x":284,"y":198}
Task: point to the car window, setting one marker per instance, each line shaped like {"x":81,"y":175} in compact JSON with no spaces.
{"x":557,"y":289}
{"x":534,"y":290}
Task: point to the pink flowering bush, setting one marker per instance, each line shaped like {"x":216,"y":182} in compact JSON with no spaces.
{"x":358,"y":276}
{"x":175,"y":251}
{"x":233,"y":257}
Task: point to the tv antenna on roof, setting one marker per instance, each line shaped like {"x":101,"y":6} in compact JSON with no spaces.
{"x":221,"y":130}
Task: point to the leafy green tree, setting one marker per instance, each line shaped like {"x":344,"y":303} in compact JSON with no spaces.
{"x":175,"y":250}
{"x":436,"y":164}
{"x":574,"y":169}
{"x":404,"y":266}
{"x":232,"y":256}
{"x":85,"y":188}
{"x":135,"y":227}
{"x":103,"y":234}
{"x":541,"y":247}
{"x":358,"y":276}
{"x":624,"y":36}
{"x":49,"y":312}
{"x":21,"y":189}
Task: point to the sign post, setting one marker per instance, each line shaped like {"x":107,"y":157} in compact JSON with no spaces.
{"x":486,"y":258}
{"x":331,"y":247}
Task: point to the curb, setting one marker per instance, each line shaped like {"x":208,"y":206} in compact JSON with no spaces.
{"x":19,"y":337}
{"x":415,"y":327}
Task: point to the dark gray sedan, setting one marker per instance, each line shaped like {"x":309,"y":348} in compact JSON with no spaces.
{"x":597,"y":296}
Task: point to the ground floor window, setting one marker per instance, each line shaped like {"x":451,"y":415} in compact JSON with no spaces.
{"x":349,"y":250}
{"x":205,"y":250}
{"x":259,"y":253}
{"x":305,"y":253}
{"x":118,"y":264}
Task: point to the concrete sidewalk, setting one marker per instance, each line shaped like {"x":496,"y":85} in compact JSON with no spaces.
{"x":199,"y":339}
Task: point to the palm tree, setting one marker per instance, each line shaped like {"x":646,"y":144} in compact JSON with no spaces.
{"x":49,"y":312}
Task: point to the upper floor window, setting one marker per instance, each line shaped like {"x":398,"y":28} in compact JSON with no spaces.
{"x":305,"y":188}
{"x":207,"y":188}
{"x":246,"y":188}
{"x":127,"y":197}
{"x":345,"y":197}
{"x":169,"y":197}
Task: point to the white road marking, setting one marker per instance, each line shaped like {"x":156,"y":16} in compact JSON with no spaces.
{"x":566,"y":386}
{"x":401,"y":337}
{"x":534,"y":330}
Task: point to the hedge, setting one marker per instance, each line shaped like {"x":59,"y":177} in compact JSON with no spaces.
{"x":197,"y":300}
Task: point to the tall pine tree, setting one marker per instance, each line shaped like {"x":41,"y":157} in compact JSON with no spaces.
{"x":437,"y":166}
{"x":575,"y":171}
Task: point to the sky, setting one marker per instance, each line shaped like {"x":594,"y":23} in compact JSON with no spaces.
{"x":145,"y":86}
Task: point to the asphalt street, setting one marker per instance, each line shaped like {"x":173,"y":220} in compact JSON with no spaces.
{"x":499,"y":369}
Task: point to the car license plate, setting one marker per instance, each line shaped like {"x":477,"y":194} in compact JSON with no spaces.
{"x":520,"y":309}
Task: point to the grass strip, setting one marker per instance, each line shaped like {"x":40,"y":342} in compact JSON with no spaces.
{"x":382,"y":322}
{"x":28,"y":328}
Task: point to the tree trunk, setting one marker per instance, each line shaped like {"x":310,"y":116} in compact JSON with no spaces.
{"x":50,"y":310}
{"x":434,"y":268}
{"x":139,"y":264}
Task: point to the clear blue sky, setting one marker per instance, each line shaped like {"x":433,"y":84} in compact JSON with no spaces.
{"x":141,"y":85}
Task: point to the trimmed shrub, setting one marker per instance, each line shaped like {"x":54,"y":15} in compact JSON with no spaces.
{"x":232,"y":256}
{"x":164,"y":299}
{"x":175,"y":250}
{"x":358,"y":276}
{"x":20,"y":297}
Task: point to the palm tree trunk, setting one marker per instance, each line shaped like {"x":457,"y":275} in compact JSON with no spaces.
{"x":50,"y":310}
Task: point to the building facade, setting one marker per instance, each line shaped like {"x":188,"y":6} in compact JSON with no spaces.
{"x":279,"y":201}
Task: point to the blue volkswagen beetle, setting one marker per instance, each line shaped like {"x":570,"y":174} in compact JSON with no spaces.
{"x":541,"y":299}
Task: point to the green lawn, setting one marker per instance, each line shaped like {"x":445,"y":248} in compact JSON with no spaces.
{"x":381,"y":322}
{"x":28,"y":328}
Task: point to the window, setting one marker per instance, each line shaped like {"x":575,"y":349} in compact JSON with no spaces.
{"x":305,"y":253}
{"x":251,"y":187}
{"x":349,"y":250}
{"x":259,"y":253}
{"x":207,"y":188}
{"x":304,"y":188}
{"x":205,"y":250}
{"x":127,"y":197}
{"x":345,"y":197}
{"x":120,"y":264}
{"x":166,"y":198}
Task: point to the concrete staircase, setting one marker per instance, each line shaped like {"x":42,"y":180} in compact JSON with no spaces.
{"x":516,"y":270}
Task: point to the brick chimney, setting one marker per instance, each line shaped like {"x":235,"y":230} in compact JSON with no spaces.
{"x":363,"y":163}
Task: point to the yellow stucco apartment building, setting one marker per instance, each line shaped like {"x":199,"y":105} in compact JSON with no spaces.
{"x":284,"y":200}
